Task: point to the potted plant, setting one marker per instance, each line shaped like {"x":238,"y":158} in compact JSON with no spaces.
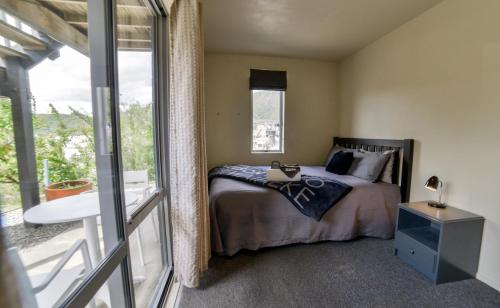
{"x":66,"y":189}
{"x":64,"y":142}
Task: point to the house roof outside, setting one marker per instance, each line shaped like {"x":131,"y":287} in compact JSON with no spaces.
{"x":34,"y":30}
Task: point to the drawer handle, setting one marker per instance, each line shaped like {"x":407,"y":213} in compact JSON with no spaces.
{"x":412,"y":252}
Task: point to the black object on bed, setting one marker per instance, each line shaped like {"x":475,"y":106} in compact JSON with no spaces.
{"x":340,"y":162}
{"x":312,"y":196}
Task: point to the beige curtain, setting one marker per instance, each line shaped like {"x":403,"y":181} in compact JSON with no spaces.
{"x":188,"y":164}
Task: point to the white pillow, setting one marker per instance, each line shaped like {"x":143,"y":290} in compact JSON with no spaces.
{"x":386,"y":175}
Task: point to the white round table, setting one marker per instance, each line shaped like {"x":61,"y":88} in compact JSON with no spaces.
{"x":74,"y":208}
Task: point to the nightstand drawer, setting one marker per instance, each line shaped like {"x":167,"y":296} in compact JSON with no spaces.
{"x":416,"y":254}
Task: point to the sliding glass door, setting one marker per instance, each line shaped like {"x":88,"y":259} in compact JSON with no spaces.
{"x":84,"y":198}
{"x":142,"y":142}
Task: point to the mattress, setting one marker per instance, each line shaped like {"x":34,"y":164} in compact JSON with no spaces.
{"x":245,"y":216}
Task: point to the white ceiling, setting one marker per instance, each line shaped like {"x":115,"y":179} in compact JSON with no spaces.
{"x":316,"y":29}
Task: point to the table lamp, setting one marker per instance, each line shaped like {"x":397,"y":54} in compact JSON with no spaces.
{"x":434,"y":184}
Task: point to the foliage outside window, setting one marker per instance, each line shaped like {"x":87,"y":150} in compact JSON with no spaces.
{"x":9,"y":177}
{"x":66,"y":141}
{"x":137,"y":137}
{"x":267,"y":121}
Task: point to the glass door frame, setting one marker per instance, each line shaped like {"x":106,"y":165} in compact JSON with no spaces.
{"x":103,"y":50}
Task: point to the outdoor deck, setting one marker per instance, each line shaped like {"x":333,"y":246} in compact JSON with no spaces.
{"x":40,"y":249}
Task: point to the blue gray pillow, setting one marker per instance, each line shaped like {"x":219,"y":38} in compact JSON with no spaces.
{"x":368,"y":165}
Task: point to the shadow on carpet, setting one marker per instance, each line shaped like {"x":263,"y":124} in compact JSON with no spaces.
{"x":359,"y":273}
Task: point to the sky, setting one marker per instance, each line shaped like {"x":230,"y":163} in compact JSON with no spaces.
{"x":65,"y":81}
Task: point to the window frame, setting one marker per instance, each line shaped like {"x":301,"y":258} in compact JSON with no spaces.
{"x":281,"y":149}
{"x":115,"y":266}
{"x":119,"y":257}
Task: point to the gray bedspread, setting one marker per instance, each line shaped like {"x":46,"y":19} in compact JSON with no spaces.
{"x":245,"y":216}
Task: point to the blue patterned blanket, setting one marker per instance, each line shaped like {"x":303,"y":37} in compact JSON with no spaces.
{"x":312,"y":196}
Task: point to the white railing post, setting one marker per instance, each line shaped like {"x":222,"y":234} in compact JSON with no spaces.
{"x":46,"y":172}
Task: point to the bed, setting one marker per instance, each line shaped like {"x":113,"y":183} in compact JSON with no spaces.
{"x":245,"y":216}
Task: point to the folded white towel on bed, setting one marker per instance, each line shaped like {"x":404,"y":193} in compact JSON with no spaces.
{"x":276,"y":175}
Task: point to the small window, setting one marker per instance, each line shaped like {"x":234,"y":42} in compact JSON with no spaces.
{"x":268,"y":108}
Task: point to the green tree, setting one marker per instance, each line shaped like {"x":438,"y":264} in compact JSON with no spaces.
{"x":8,"y":161}
{"x":56,"y":133}
{"x":137,"y":146}
{"x":9,"y":177}
{"x":73,"y":131}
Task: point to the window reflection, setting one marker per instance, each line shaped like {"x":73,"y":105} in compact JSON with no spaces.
{"x":135,"y":79}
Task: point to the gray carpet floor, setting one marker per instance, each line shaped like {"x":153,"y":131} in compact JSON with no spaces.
{"x":359,"y":273}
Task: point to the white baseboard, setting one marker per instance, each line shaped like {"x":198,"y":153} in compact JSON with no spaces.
{"x":495,"y":284}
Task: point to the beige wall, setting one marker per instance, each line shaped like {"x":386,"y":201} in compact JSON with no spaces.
{"x":437,"y":79}
{"x":310,"y":118}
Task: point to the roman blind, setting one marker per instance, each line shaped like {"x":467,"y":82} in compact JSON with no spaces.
{"x":267,"y":80}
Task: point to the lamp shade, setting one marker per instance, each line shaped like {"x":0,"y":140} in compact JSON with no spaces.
{"x":432,"y":183}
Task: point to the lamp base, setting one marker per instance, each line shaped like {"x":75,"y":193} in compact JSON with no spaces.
{"x":436,"y":204}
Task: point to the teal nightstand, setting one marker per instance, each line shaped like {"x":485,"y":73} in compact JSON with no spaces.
{"x":443,"y":244}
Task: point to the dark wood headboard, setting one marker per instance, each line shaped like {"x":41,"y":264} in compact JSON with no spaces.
{"x":403,"y":158}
